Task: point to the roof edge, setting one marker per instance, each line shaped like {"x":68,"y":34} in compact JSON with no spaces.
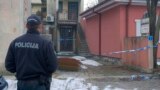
{"x":111,"y":4}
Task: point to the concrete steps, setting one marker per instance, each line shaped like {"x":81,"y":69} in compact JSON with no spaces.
{"x":83,"y":49}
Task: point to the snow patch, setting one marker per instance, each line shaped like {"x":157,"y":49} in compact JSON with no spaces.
{"x":80,"y":58}
{"x":109,"y":87}
{"x":86,"y":61}
{"x":58,"y":84}
{"x":158,"y":63}
{"x":90,"y":62}
{"x":12,"y":84}
{"x":94,"y":88}
{"x":84,"y":67}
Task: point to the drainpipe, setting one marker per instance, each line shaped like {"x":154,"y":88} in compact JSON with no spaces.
{"x":127,"y":16}
{"x":100,"y":30}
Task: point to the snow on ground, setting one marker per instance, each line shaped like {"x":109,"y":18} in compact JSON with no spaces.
{"x":86,"y":61}
{"x":84,"y":67}
{"x":58,"y":84}
{"x":109,"y":87}
{"x":81,"y":84}
{"x":12,"y":84}
{"x":68,"y":84}
{"x":158,"y":63}
{"x":90,"y":62}
{"x":80,"y":58}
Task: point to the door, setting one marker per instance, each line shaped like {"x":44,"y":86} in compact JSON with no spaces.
{"x":73,"y":10}
{"x":67,"y":38}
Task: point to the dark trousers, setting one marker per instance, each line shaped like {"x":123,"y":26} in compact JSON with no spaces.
{"x":32,"y":85}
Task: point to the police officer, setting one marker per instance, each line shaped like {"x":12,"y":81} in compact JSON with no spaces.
{"x":32,"y":58}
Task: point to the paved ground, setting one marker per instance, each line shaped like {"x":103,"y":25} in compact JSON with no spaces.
{"x":111,"y":77}
{"x":127,"y":85}
{"x":97,"y":72}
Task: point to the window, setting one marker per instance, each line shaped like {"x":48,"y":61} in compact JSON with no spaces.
{"x":60,"y":6}
{"x":44,"y":9}
{"x":73,"y":10}
{"x":138,"y":27}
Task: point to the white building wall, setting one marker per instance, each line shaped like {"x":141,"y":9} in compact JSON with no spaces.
{"x":81,"y":6}
{"x":13,"y":14}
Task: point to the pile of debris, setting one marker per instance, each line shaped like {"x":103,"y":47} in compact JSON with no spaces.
{"x":68,"y":64}
{"x":75,"y":63}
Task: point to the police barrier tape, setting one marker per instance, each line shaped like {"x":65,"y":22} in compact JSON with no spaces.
{"x":124,"y":51}
{"x":134,"y":50}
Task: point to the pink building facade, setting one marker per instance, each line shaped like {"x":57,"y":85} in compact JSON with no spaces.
{"x":109,"y":23}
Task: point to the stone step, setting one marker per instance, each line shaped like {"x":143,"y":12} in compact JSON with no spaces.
{"x":83,"y":51}
{"x":85,"y":54}
{"x":84,"y":48}
{"x":84,"y":45}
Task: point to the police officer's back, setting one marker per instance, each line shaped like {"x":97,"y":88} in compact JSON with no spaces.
{"x":32,"y":58}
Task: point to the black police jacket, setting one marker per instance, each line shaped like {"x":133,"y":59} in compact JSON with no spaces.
{"x":31,"y":56}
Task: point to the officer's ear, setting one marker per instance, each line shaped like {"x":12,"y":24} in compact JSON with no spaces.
{"x":40,"y":28}
{"x":27,"y":26}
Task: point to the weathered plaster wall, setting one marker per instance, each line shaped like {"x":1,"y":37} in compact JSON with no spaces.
{"x":13,"y":14}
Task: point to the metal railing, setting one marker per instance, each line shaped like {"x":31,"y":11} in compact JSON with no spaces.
{"x":64,"y":15}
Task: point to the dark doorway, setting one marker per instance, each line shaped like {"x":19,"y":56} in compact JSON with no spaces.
{"x":67,"y":37}
{"x":73,"y":10}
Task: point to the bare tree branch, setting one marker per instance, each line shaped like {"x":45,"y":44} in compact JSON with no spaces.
{"x":92,"y":3}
